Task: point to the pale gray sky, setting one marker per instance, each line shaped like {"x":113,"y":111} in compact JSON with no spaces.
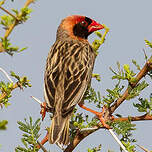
{"x":129,"y":22}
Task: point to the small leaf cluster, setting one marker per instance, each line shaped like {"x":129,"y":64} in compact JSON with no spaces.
{"x":30,"y":135}
{"x":127,"y":74}
{"x":97,"y":76}
{"x":95,"y":149}
{"x":79,"y":120}
{"x":8,"y":48}
{"x":134,"y":92}
{"x":144,"y":105}
{"x":6,"y":21}
{"x":124,"y":129}
{"x":23,"y":14}
{"x":124,"y":74}
{"x":98,"y":42}
{"x":2,"y":2}
{"x":136,"y":64}
{"x":19,"y":17}
{"x":22,"y":81}
{"x":6,"y":89}
{"x":92,"y":96}
{"x":128,"y":146}
{"x":148,"y":43}
{"x":113,"y":94}
{"x":3,"y":124}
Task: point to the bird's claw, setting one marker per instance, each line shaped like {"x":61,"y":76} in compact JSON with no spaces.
{"x":44,"y":109}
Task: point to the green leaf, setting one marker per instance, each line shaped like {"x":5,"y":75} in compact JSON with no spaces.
{"x":144,"y":105}
{"x":137,"y":65}
{"x":148,"y":43}
{"x":136,"y":90}
{"x":3,"y":124}
{"x":31,"y":136}
{"x":2,"y":2}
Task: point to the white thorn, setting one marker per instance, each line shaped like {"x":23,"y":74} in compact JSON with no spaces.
{"x":37,"y":100}
{"x":117,"y":140}
{"x":8,"y":77}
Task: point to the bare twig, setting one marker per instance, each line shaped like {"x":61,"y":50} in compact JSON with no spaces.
{"x":135,"y":118}
{"x":28,"y":2}
{"x":117,"y":140}
{"x":8,"y":12}
{"x":8,"y":77}
{"x":41,"y":146}
{"x":144,"y":149}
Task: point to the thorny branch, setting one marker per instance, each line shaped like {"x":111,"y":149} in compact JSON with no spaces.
{"x":16,"y":22}
{"x":140,"y":75}
{"x":41,"y":146}
{"x":79,"y":136}
{"x":4,"y":94}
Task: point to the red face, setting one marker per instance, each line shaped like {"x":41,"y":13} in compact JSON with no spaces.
{"x":80,"y":26}
{"x":84,"y":26}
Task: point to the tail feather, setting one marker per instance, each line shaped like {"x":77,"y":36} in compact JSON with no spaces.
{"x":64,"y":138}
{"x":59,"y":130}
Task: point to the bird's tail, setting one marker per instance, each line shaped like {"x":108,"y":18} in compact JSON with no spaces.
{"x":59,"y":130}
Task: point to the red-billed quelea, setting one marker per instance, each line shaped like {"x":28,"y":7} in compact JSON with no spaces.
{"x":68,"y":72}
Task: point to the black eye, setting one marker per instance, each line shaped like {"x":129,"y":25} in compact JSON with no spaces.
{"x":83,"y":23}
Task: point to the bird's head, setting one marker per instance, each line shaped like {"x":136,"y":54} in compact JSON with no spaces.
{"x":79,"y":27}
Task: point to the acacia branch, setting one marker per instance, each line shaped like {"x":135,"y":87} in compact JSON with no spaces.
{"x":80,"y":136}
{"x":4,"y":94}
{"x":147,"y":67}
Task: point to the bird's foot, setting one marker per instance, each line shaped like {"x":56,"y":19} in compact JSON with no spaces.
{"x":44,"y":109}
{"x":100,"y":115}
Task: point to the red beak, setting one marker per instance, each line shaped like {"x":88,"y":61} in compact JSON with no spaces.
{"x":94,"y":26}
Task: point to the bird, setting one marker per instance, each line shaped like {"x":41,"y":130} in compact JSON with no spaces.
{"x":68,"y":72}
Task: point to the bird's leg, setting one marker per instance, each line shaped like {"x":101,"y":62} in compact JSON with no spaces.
{"x":100,"y":115}
{"x":44,"y":109}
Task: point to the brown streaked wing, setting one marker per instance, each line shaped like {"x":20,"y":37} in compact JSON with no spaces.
{"x":77,"y":77}
{"x":52,"y":73}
